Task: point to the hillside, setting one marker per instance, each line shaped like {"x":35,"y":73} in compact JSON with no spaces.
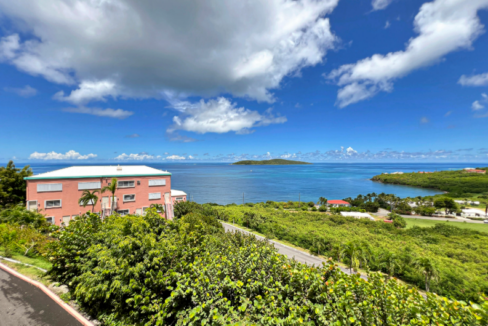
{"x":455,"y":182}
{"x":269,"y":162}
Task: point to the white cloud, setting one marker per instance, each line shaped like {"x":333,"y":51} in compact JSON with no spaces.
{"x":25,"y":91}
{"x":387,"y":24}
{"x":443,"y":26}
{"x":288,"y":156}
{"x":424,"y":120}
{"x":350,"y":151}
{"x":190,"y":157}
{"x":70,"y":155}
{"x":380,"y":4}
{"x":175,"y":157}
{"x":219,"y":116}
{"x":141,"y":48}
{"x":135,"y":157}
{"x":109,"y":113}
{"x":89,"y":91}
{"x":477,"y":105}
{"x":476,"y":80}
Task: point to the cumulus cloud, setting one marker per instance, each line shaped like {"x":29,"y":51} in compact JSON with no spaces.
{"x":175,"y":157}
{"x":380,"y":4}
{"x":109,"y":113}
{"x":89,"y":91}
{"x":135,"y":157}
{"x":25,"y":91}
{"x":141,"y":48}
{"x":476,"y":80}
{"x":443,"y":26}
{"x":70,"y":155}
{"x":288,"y":156}
{"x":219,"y":116}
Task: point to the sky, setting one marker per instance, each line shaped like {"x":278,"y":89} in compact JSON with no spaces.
{"x":216,"y":81}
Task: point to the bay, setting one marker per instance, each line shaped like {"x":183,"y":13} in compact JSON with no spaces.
{"x":223,"y":183}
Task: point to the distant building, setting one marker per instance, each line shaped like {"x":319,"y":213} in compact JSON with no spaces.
{"x":56,"y":193}
{"x":397,"y":173}
{"x":357,"y":215}
{"x":476,"y":171}
{"x":338,"y":203}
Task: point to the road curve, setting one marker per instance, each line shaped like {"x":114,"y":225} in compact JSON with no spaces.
{"x":22,"y":304}
{"x":290,"y":252}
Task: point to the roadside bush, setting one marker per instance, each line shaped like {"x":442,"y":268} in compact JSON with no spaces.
{"x":21,"y":216}
{"x":398,"y":221}
{"x":323,"y":209}
{"x":23,"y":240}
{"x":149,"y":271}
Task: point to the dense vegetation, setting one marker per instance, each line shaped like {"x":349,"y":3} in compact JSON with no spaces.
{"x":269,"y":162}
{"x":12,"y":184}
{"x":459,"y":256}
{"x":149,"y":271}
{"x":459,"y":183}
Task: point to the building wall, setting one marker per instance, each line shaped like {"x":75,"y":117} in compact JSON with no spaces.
{"x":174,"y":199}
{"x":70,"y":195}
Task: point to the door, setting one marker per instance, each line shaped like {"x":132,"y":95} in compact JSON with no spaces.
{"x":139,"y":211}
{"x":105,"y":204}
{"x":32,"y":205}
{"x":66,"y":220}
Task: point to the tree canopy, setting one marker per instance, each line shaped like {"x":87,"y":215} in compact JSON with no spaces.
{"x":13,"y":185}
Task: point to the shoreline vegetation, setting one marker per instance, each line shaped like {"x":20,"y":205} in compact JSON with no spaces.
{"x":457,"y":183}
{"x":270,"y":162}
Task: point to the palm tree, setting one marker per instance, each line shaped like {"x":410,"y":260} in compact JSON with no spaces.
{"x":428,"y":268}
{"x":159,"y":208}
{"x":322,"y":201}
{"x":112,"y":187}
{"x":88,"y":197}
{"x":319,"y":244}
{"x":390,"y":262}
{"x":355,"y":253}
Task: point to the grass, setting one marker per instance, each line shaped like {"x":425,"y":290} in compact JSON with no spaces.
{"x":429,"y":223}
{"x":31,"y":272}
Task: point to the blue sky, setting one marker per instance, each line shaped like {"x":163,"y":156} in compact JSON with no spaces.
{"x":330,"y":80}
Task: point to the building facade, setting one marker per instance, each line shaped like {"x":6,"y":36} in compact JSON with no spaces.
{"x":338,"y":203}
{"x":56,"y":194}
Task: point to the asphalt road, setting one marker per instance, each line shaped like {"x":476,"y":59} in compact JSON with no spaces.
{"x":290,"y":252}
{"x":22,"y":304}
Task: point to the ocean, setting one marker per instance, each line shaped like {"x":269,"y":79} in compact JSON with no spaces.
{"x":222,"y":183}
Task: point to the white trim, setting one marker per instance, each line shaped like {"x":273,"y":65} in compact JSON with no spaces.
{"x":60,"y":203}
{"x":89,"y":185}
{"x":157,"y":182}
{"x":140,"y":211}
{"x":50,"y":217}
{"x":126,"y":201}
{"x":90,"y":202}
{"x":119,"y":181}
{"x":49,"y":186}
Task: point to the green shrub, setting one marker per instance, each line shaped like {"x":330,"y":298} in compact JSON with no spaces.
{"x":149,"y":271}
{"x":23,"y":240}
{"x":21,"y":216}
{"x":323,"y":209}
{"x":398,"y":221}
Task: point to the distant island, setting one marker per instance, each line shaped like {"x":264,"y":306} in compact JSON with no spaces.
{"x":269,"y":162}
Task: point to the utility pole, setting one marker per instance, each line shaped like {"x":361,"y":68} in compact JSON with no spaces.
{"x":299,"y":203}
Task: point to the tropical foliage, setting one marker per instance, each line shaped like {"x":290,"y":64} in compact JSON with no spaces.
{"x":460,"y":255}
{"x":89,"y":198}
{"x":12,"y":184}
{"x":136,"y":270}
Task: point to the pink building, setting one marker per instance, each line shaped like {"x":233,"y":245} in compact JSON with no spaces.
{"x":56,"y":194}
{"x":338,"y":203}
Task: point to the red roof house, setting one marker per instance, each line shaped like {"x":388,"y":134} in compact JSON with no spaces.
{"x":338,"y":203}
{"x":476,"y":171}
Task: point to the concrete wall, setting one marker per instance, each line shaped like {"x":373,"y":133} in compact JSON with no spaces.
{"x":70,"y":195}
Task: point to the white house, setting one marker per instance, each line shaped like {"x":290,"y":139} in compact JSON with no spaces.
{"x":357,"y":215}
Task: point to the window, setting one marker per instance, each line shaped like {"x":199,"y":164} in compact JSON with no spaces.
{"x":123,"y":212}
{"x":125,"y":184}
{"x":155,"y":195}
{"x":52,"y":203}
{"x":66,"y":220}
{"x":179,"y":198}
{"x":157,"y":182}
{"x":139,"y":211}
{"x":46,"y":187}
{"x":50,"y":219}
{"x":144,"y":209}
{"x":129,"y":198}
{"x":89,"y":185}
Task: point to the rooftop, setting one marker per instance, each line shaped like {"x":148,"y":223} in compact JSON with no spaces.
{"x":336,"y":201}
{"x":357,"y":215}
{"x":177,"y":193}
{"x":101,"y":171}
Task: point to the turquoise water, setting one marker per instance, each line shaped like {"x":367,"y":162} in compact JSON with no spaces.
{"x":224,"y":184}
